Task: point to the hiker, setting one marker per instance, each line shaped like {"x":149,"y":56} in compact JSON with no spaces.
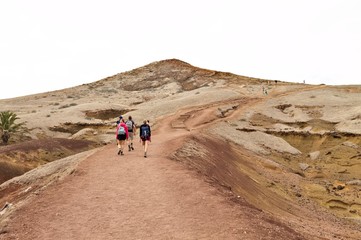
{"x":121,"y":135}
{"x":131,"y":132}
{"x":145,"y":135}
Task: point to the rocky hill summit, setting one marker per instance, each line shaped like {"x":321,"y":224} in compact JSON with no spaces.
{"x":290,"y":150}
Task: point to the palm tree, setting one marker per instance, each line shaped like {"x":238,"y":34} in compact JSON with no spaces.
{"x":8,"y":125}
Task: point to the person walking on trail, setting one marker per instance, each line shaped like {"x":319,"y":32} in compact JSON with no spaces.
{"x":131,"y":131}
{"x":145,"y":136}
{"x":121,"y":135}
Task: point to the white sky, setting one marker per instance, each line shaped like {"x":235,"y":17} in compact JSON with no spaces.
{"x":48,"y":45}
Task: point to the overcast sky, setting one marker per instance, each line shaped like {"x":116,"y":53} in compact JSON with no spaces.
{"x":48,"y":45}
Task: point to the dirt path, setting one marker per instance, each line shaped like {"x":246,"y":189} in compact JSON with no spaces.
{"x":132,"y":197}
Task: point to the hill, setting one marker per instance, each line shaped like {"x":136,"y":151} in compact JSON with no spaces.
{"x":290,"y":150}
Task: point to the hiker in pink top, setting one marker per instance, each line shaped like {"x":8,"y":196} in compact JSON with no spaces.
{"x":121,"y":135}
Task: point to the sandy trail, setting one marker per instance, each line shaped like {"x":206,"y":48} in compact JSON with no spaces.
{"x":132,"y":197}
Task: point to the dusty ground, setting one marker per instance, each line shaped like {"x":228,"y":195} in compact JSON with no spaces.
{"x":226,"y":161}
{"x":130,"y":197}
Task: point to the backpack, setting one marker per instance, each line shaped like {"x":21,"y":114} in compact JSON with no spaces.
{"x":145,"y":132}
{"x":121,"y":130}
{"x":129,"y":124}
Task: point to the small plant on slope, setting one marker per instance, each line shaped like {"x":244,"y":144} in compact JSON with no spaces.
{"x":8,"y":125}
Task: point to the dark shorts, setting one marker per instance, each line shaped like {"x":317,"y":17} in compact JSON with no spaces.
{"x":122,"y":137}
{"x":145,"y":138}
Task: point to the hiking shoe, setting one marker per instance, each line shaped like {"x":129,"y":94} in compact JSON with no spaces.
{"x":132,"y":148}
{"x":129,"y":148}
{"x":145,"y":154}
{"x":119,"y":151}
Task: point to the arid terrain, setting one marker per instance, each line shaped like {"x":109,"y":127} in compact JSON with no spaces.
{"x":231,"y":157}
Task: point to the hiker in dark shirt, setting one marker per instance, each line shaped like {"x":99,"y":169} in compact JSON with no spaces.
{"x":145,"y":136}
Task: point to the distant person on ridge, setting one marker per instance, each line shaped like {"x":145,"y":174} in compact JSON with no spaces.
{"x":145,"y":135}
{"x":131,"y":131}
{"x":121,"y":135}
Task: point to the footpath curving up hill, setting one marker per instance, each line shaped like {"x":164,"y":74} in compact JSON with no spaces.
{"x":228,"y":160}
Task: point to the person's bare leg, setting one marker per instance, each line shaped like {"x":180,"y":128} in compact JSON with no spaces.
{"x":119,"y":146}
{"x":122,"y":146}
{"x":145,"y":143}
{"x":130,"y":142}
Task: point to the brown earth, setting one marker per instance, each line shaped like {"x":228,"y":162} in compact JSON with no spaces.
{"x":226,"y":161}
{"x":16,"y":159}
{"x":132,"y":197}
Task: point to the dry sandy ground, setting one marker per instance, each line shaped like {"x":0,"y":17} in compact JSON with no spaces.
{"x":226,"y":161}
{"x":132,"y":197}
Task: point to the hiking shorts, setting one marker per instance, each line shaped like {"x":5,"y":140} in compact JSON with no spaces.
{"x":131,"y":135}
{"x":121,"y":137}
{"x":145,"y":138}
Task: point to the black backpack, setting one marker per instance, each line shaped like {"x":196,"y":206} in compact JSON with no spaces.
{"x":145,"y":131}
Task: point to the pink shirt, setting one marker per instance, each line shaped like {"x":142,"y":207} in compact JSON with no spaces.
{"x":125,"y":127}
